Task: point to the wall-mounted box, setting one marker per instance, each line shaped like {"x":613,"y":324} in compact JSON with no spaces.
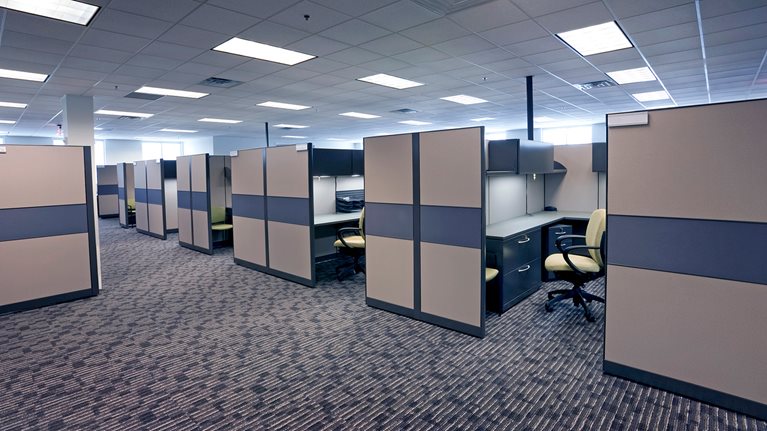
{"x":336,"y":163}
{"x":520,"y":156}
{"x":599,"y":157}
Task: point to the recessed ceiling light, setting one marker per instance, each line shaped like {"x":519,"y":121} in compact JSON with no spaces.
{"x":596,"y":39}
{"x":290,"y":126}
{"x":64,"y":10}
{"x":483,"y":119}
{"x":169,"y":92}
{"x":334,"y":139}
{"x":464,"y":99}
{"x":219,"y":120}
{"x":12,"y":105}
{"x":651,"y":96}
{"x":178,"y":131}
{"x":26,"y":76}
{"x":390,"y":81}
{"x":281,"y":105}
{"x":294,"y":137}
{"x":630,"y":76}
{"x":123,"y":113}
{"x":98,"y":128}
{"x":414,"y":122}
{"x":542,"y":119}
{"x":262,"y":51}
{"x":360,"y":115}
{"x":7,"y":122}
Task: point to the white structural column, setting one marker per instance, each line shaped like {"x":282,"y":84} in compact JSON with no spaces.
{"x":77,"y":124}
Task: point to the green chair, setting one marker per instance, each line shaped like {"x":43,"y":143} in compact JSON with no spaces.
{"x":351,"y":242}
{"x":578,"y":269}
{"x":218,"y":219}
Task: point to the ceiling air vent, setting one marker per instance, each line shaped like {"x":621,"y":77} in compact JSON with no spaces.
{"x":404,"y":111}
{"x":444,"y":7}
{"x":220,"y":82}
{"x":143,"y":96}
{"x":594,"y":84}
{"x":128,"y":117}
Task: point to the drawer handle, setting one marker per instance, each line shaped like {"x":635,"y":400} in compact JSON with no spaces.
{"x":560,"y":233}
{"x":524,"y":240}
{"x":524,"y":268}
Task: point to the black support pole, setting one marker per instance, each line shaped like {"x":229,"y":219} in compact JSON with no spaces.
{"x":266,"y":129}
{"x":529,"y":81}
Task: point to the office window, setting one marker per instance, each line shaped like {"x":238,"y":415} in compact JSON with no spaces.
{"x":567,"y":135}
{"x":160,"y":150}
{"x":58,"y":142}
{"x":99,"y":153}
{"x":171,"y":151}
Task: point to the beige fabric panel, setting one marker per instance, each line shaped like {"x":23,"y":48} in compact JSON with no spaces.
{"x":451,"y":168}
{"x":156,"y":221}
{"x":199,"y":173}
{"x":142,"y":218}
{"x":108,"y":204}
{"x":58,"y":178}
{"x":287,"y":172}
{"x":704,"y":331}
{"x":389,"y":270}
{"x":704,"y":162}
{"x":171,"y":203}
{"x":248,"y":172}
{"x":452,"y":282}
{"x":153,"y":175}
{"x":389,"y":169}
{"x":42,"y":267}
{"x":130,"y":181}
{"x":249,"y":240}
{"x":201,"y":229}
{"x":121,"y":207}
{"x":290,"y":249}
{"x":106,"y":174}
{"x":182,"y":173}
{"x":578,"y":189}
{"x":219,"y":183}
{"x":139,"y":175}
{"x":185,"y":225}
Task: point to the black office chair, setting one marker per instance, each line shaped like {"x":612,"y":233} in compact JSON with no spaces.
{"x":578,"y":269}
{"x":351,"y":242}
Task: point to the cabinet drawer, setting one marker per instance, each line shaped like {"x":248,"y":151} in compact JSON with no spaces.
{"x":521,"y":249}
{"x":519,"y":283}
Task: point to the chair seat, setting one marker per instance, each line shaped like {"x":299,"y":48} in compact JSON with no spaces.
{"x":490,"y":274}
{"x":221,"y":226}
{"x":354,"y":241}
{"x":556,"y":262}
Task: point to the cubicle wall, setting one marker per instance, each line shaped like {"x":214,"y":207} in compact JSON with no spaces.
{"x":687,"y":224}
{"x":203,"y":199}
{"x":249,"y":209}
{"x":47,"y":228}
{"x":106,"y":184}
{"x":126,"y":194}
{"x":425,"y":227}
{"x":155,"y":212}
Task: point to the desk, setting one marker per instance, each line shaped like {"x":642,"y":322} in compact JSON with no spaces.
{"x":514,"y":247}
{"x":329,"y":219}
{"x":325,"y":227}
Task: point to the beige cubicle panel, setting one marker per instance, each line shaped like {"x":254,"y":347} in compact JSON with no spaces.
{"x":107,"y":194}
{"x":151,"y":177}
{"x":184,"y":199}
{"x":155,"y":193}
{"x":46,"y":219}
{"x":248,"y":208}
{"x":142,"y":208}
{"x":126,"y":194}
{"x":687,"y":224}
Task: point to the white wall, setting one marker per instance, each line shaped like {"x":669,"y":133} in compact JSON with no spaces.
{"x":122,"y":150}
{"x":223,"y":145}
{"x":199,"y":146}
{"x":27,"y":140}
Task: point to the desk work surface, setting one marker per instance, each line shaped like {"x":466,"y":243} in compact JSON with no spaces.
{"x":326,"y":219}
{"x":523,"y":223}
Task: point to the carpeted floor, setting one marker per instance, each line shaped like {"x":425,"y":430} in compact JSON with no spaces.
{"x":180,"y":340}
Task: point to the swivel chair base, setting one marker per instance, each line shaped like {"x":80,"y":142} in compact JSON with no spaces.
{"x":350,"y":269}
{"x":579,"y":297}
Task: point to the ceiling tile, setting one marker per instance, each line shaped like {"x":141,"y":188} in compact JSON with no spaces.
{"x":536,"y":8}
{"x":577,"y":17}
{"x":321,"y":18}
{"x":257,"y":8}
{"x":400,"y":15}
{"x":353,"y":56}
{"x":433,"y":32}
{"x":355,"y":7}
{"x":210,"y":18}
{"x":108,"y":39}
{"x":391,"y":45}
{"x":515,"y":33}
{"x":464,"y":45}
{"x":168,"y":10}
{"x":354,"y":32}
{"x":130,"y":24}
{"x":488,"y":15}
{"x":193,"y":37}
{"x":317,"y":45}
{"x":272,"y":33}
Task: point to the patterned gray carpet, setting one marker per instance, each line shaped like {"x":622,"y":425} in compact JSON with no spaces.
{"x":179,"y":340}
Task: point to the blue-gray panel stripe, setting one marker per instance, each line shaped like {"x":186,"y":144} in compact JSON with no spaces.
{"x":38,"y":222}
{"x":107,"y":189}
{"x":184,"y":199}
{"x":141,"y":195}
{"x":200,"y":201}
{"x":456,"y":226}
{"x":250,"y":206}
{"x":121,"y":193}
{"x":729,"y":250}
{"x":289,"y":210}
{"x":389,"y":220}
{"x":154,"y":196}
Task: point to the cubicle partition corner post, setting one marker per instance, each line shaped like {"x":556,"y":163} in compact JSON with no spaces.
{"x":126,"y":192}
{"x":287,"y":247}
{"x":107,"y":193}
{"x":685,"y":262}
{"x":48,"y":247}
{"x":155,"y":197}
{"x":425,"y":227}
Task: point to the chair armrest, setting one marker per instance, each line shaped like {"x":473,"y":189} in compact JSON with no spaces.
{"x":564,"y":237}
{"x":347,"y":231}
{"x":566,"y":255}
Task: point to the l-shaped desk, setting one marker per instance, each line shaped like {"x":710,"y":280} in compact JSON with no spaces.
{"x":325,"y":227}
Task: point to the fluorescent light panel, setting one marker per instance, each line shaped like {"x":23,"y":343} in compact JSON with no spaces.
{"x":483,"y":119}
{"x":7,"y":122}
{"x":464,"y":99}
{"x":294,"y":137}
{"x":281,"y":105}
{"x":123,"y":113}
{"x":630,"y":76}
{"x":178,"y":131}
{"x":262,"y":51}
{"x":219,"y":120}
{"x":64,"y":10}
{"x":12,"y":105}
{"x":414,"y":122}
{"x":360,"y":115}
{"x":170,"y":92}
{"x":25,"y":76}
{"x":651,"y":96}
{"x":542,"y":119}
{"x":390,"y":81}
{"x":290,"y":126}
{"x":596,"y":39}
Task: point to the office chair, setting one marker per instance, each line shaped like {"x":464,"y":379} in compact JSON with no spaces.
{"x":351,"y":242}
{"x":218,"y":223}
{"x":578,"y":269}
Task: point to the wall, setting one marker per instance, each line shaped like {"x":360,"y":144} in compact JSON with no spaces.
{"x":223,"y":145}
{"x":578,"y":190}
{"x":121,"y":150}
{"x":27,"y":140}
{"x":199,"y":146}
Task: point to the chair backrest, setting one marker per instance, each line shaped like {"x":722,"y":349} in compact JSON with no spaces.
{"x":132,"y":204}
{"x":362,"y":222}
{"x":594,"y":231}
{"x":217,"y":215}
